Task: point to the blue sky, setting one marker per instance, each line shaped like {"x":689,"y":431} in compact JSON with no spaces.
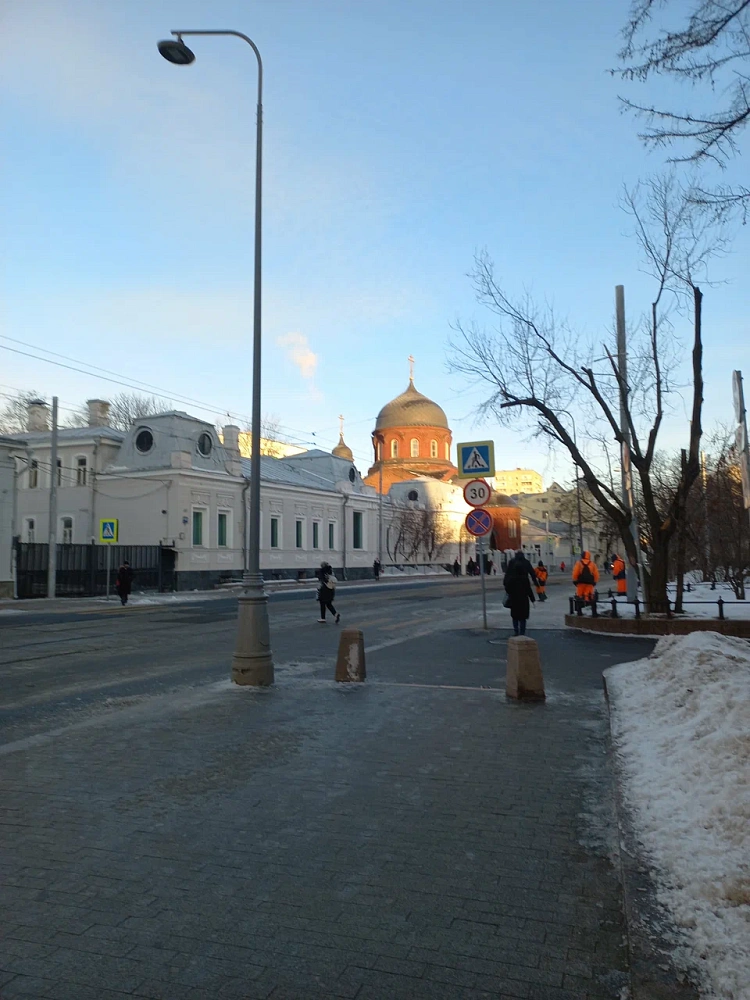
{"x":400,"y":137}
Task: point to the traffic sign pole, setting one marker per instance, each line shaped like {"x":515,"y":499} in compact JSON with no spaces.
{"x":109,"y":566}
{"x":484,"y":588}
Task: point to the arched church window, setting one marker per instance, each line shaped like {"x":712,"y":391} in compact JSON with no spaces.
{"x":433,"y":449}
{"x":414,"y":448}
{"x":447,"y":452}
{"x":394,"y":448}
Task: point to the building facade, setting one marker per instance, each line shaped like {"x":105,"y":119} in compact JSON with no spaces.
{"x":513,"y":481}
{"x":7,"y":503}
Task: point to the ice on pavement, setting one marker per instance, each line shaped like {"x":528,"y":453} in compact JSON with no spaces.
{"x":681,"y":723}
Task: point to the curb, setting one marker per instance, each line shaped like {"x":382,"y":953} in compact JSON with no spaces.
{"x":653,"y":975}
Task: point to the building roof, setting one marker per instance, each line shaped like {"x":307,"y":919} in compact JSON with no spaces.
{"x":411,"y":409}
{"x":67,"y":434}
{"x":500,"y":500}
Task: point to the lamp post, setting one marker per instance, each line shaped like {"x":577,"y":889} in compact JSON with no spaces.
{"x":252,"y":662}
{"x":578,"y":484}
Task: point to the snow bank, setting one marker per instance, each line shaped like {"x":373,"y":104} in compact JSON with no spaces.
{"x":681,"y":724}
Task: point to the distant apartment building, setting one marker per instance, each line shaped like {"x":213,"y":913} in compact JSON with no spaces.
{"x":514,"y":481}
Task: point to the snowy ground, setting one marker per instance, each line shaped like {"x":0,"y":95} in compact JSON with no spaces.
{"x":681,"y":725}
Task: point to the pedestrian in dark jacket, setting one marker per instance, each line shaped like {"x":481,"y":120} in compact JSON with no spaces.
{"x":326,"y":592}
{"x":457,"y":568}
{"x":124,"y":581}
{"x":376,"y":568}
{"x":517,"y":584}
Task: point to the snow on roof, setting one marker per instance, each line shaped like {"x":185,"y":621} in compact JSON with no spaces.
{"x":67,"y":434}
{"x":276,"y":470}
{"x":680,"y":721}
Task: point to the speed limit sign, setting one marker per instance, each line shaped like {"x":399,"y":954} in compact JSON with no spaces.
{"x":477,"y":492}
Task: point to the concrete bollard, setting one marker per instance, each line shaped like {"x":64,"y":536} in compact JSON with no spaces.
{"x":350,"y":662}
{"x":523,"y":679}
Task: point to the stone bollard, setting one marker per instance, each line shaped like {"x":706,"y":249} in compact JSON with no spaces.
{"x":523,"y":679}
{"x":350,"y":663}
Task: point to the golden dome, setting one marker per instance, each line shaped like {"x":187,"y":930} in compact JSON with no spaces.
{"x":342,"y":450}
{"x":411,"y":409}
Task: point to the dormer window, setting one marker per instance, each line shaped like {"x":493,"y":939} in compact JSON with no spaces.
{"x":205,"y":444}
{"x":144,"y":441}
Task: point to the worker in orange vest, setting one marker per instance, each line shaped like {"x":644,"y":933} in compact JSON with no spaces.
{"x":585,"y":577}
{"x":618,"y":572}
{"x":541,"y":580}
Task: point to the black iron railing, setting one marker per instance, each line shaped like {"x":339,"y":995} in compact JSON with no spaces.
{"x":577,"y":604}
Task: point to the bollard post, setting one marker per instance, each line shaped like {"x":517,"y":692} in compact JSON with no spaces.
{"x":523,"y":677}
{"x":350,"y":662}
{"x":614,"y":608}
{"x":720,"y":602}
{"x":594,"y":609}
{"x":572,"y":602}
{"x":637,"y":607}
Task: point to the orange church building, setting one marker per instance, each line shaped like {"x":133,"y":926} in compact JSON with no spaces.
{"x":411,"y":438}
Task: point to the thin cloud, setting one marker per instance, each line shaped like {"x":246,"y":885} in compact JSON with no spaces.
{"x":299,"y":352}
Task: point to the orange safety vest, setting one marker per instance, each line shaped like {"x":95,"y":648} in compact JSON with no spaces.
{"x":541,"y":575}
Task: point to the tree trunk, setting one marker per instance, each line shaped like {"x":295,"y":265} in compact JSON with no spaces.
{"x":681,"y":514}
{"x":658,"y":577}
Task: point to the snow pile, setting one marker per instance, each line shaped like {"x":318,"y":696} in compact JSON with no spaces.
{"x":681,"y":724}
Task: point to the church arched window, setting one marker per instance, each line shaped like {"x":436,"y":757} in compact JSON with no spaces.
{"x":433,"y":449}
{"x":394,"y":448}
{"x":447,"y":452}
{"x":414,"y":448}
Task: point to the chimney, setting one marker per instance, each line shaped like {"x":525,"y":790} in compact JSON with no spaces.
{"x":37,"y":415}
{"x":231,"y":435}
{"x":98,"y":412}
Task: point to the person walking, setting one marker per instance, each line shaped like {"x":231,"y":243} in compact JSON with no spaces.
{"x":376,"y":567}
{"x":470,"y":567}
{"x":520,"y":595}
{"x":124,"y":581}
{"x":457,"y":568}
{"x":562,"y":567}
{"x":585,"y":577}
{"x":326,"y":592}
{"x":618,"y":572}
{"x":541,"y":580}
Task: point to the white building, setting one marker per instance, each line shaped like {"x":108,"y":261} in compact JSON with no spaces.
{"x":7,"y":498}
{"x":513,"y":481}
{"x":171,"y":483}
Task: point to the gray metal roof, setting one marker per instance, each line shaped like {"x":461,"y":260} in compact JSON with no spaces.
{"x":277,"y":470}
{"x":67,"y":434}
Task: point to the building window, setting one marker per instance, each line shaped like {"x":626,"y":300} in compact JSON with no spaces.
{"x":414,"y":447}
{"x":205,"y":444}
{"x":357,"y":534}
{"x":144,"y":441}
{"x":30,"y":529}
{"x":511,"y":529}
{"x":222,"y":529}
{"x":298,"y":534}
{"x":447,"y":452}
{"x":331,"y":535}
{"x":394,"y":449}
{"x":81,"y":471}
{"x":274,"y":532}
{"x":66,"y":530}
{"x":433,"y":449}
{"x":412,"y":495}
{"x":33,"y":474}
{"x":316,"y":535}
{"x":198,"y":527}
{"x":59,"y":472}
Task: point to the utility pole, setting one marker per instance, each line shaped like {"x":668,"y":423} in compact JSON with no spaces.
{"x":52,"y":547}
{"x":622,"y":367}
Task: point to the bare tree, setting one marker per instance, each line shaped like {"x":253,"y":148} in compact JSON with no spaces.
{"x":416,"y":532}
{"x":712,"y":47}
{"x":14,"y":414}
{"x":538,"y":368}
{"x":127,"y":407}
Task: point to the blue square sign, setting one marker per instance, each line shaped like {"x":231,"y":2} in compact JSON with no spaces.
{"x":476,"y":458}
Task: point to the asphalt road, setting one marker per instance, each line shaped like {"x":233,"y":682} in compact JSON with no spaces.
{"x":57,"y":665}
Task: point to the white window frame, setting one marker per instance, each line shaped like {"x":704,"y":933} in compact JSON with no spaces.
{"x":81,"y":480}
{"x":61,"y":528}
{"x":414,"y":448}
{"x":59,"y":472}
{"x":29,"y":529}
{"x":394,"y":448}
{"x":198,"y":509}
{"x":33,"y":468}
{"x":301,"y":522}
{"x":433,"y":449}
{"x":331,"y":536}
{"x":316,"y":526}
{"x":447,"y":452}
{"x":227,"y":512}
{"x":277,"y":519}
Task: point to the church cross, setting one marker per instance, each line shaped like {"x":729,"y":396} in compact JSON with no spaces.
{"x":410,"y":359}
{"x":341,"y":424}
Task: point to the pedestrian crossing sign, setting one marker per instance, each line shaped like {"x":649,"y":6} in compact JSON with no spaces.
{"x":108,"y":531}
{"x":476,"y":458}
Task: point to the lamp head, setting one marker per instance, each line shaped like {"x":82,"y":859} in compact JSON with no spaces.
{"x":175,"y":51}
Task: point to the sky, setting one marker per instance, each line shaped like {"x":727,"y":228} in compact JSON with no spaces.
{"x":400,"y":138}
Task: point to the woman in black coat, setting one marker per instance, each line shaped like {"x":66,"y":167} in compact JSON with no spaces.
{"x":517,"y":584}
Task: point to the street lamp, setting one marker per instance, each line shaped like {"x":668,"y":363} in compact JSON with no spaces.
{"x":252,"y":662}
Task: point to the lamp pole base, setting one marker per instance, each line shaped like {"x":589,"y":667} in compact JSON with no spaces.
{"x":252,"y":663}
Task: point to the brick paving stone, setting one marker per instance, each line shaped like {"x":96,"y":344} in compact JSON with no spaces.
{"x":392,"y":841}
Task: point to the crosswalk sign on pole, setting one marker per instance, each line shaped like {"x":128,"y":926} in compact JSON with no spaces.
{"x":476,"y":458}
{"x":109,"y":529}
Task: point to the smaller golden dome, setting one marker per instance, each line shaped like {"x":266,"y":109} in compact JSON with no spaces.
{"x":342,"y":450}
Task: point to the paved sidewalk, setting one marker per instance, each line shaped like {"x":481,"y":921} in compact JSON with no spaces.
{"x":413,"y":837}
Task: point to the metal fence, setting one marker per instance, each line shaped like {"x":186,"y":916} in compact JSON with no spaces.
{"x":577,"y":605}
{"x":82,"y":569}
